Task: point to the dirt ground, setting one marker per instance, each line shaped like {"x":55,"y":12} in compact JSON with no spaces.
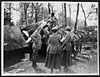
{"x":83,"y":64}
{"x":80,"y":65}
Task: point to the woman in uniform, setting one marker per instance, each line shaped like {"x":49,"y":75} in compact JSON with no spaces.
{"x":67,"y":48}
{"x":53,"y":57}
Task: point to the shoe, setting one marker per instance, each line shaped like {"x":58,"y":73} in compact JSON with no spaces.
{"x":60,"y":71}
{"x":34,"y":64}
{"x":35,"y":67}
{"x":51,"y":72}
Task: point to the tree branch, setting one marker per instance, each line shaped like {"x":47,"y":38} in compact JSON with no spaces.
{"x":84,"y":15}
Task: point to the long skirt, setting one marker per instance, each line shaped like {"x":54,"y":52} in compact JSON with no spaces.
{"x":53,"y":61}
{"x":66,"y":58}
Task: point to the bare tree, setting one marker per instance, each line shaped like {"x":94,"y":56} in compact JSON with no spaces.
{"x":52,"y":8}
{"x":9,"y":12}
{"x":25,"y":11}
{"x":22,"y":17}
{"x":65,"y":14}
{"x":69,"y":15}
{"x":62,"y":11}
{"x":77,"y":17}
{"x":36,"y":7}
{"x":32,"y":10}
{"x":49,"y":8}
{"x":85,"y":23}
{"x":42,"y":12}
{"x":92,"y":10}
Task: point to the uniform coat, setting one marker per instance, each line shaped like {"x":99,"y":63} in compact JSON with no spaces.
{"x":36,"y":46}
{"x":67,"y":48}
{"x":36,"y":38}
{"x":53,"y":58}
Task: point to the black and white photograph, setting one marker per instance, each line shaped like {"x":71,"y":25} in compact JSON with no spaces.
{"x":49,"y":38}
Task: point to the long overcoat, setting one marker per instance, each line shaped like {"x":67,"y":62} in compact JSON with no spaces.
{"x":53,"y":58}
{"x":67,"y":49}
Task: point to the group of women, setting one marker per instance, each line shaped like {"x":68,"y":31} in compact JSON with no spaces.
{"x":58,"y":52}
{"x":59,"y":48}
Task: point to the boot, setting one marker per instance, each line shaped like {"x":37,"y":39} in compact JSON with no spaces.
{"x":51,"y":71}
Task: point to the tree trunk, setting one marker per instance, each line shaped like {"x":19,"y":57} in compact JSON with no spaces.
{"x":65,"y":14}
{"x":25,"y":18}
{"x":69,"y":15}
{"x":52,"y":10}
{"x":85,"y":23}
{"x":9,"y":12}
{"x":37,"y":10}
{"x":21,"y":18}
{"x":62,"y":13}
{"x":25,"y":11}
{"x":49,"y":8}
{"x":77,"y":16}
{"x":42,"y":12}
{"x":36,"y":16}
{"x":36,"y":13}
{"x":32,"y":10}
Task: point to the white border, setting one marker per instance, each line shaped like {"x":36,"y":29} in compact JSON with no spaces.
{"x":48,"y":2}
{"x":2,"y":31}
{"x":31,"y":74}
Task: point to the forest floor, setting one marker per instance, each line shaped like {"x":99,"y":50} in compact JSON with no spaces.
{"x":81,"y":65}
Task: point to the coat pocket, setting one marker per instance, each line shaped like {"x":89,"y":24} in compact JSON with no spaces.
{"x":59,"y":50}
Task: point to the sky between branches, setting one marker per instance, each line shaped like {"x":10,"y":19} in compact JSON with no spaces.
{"x":58,"y":8}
